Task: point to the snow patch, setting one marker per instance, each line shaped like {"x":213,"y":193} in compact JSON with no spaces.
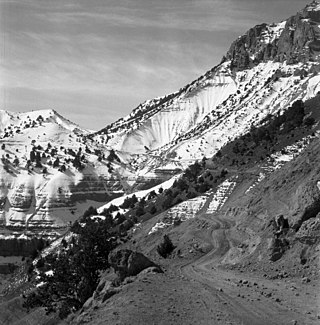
{"x":140,"y":194}
{"x":221,"y":195}
{"x":313,"y":87}
{"x":179,"y":213}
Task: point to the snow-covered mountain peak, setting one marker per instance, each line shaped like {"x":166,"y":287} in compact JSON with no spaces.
{"x":313,"y":6}
{"x":48,"y":169}
{"x":22,"y":123}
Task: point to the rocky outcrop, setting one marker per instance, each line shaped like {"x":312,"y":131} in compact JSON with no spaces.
{"x":278,"y":248}
{"x":295,"y":40}
{"x":309,"y":232}
{"x":128,"y":263}
{"x":249,"y":49}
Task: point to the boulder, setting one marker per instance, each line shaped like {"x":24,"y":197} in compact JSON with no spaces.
{"x":129,"y":263}
{"x":278,"y":248}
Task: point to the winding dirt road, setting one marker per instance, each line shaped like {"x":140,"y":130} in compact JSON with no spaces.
{"x":254,"y":301}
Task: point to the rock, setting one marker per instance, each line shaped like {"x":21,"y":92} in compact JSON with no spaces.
{"x":88,"y":304}
{"x":278,"y":248}
{"x":306,"y":280}
{"x":309,"y":233}
{"x":128,"y":263}
{"x":152,"y":269}
{"x":109,"y":293}
{"x":297,"y":42}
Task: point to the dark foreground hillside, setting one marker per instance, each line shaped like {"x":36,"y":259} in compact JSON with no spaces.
{"x":241,"y":265}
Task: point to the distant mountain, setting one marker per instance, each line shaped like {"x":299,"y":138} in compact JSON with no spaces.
{"x":11,"y":122}
{"x":49,"y":171}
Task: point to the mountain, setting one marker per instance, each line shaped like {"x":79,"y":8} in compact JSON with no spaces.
{"x":235,"y":225}
{"x":49,"y":171}
{"x":263,"y":72}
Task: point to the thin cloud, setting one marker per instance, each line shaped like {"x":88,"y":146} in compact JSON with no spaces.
{"x":108,"y":56}
{"x":222,"y":16}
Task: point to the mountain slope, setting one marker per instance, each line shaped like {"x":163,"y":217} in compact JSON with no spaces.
{"x":49,"y":171}
{"x":263,"y":72}
{"x":247,"y":244}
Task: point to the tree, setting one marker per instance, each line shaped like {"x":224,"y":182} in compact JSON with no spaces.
{"x":32,"y":155}
{"x":193,"y":171}
{"x":56,"y":163}
{"x":309,"y":121}
{"x":62,"y":169}
{"x":16,"y":161}
{"x":165,"y":248}
{"x":152,"y":195}
{"x":112,"y":156}
{"x":38,"y":160}
{"x":75,"y":269}
{"x":129,"y":202}
{"x":77,"y":162}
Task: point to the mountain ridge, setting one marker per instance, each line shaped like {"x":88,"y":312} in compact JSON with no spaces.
{"x":138,"y":131}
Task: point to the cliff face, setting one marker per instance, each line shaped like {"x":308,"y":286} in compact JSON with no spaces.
{"x":34,"y":201}
{"x":294,"y":40}
{"x":22,"y":246}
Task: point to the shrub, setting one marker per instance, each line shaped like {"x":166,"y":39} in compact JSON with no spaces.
{"x":309,"y":121}
{"x":75,"y":269}
{"x":165,"y":248}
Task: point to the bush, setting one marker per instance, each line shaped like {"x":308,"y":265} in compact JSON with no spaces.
{"x":76,"y":269}
{"x":165,"y":248}
{"x":309,"y":121}
{"x":129,"y":202}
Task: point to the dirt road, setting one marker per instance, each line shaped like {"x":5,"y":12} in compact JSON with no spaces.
{"x":244,"y":297}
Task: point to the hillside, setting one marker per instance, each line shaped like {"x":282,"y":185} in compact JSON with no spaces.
{"x":246,"y":240}
{"x":49,"y":172}
{"x":263,"y":72}
{"x":217,"y":185}
{"x":247,"y":246}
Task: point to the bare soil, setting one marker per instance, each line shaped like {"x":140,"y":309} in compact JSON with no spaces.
{"x":197,"y":288}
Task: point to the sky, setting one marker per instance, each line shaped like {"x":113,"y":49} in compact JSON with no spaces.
{"x":94,"y":61}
